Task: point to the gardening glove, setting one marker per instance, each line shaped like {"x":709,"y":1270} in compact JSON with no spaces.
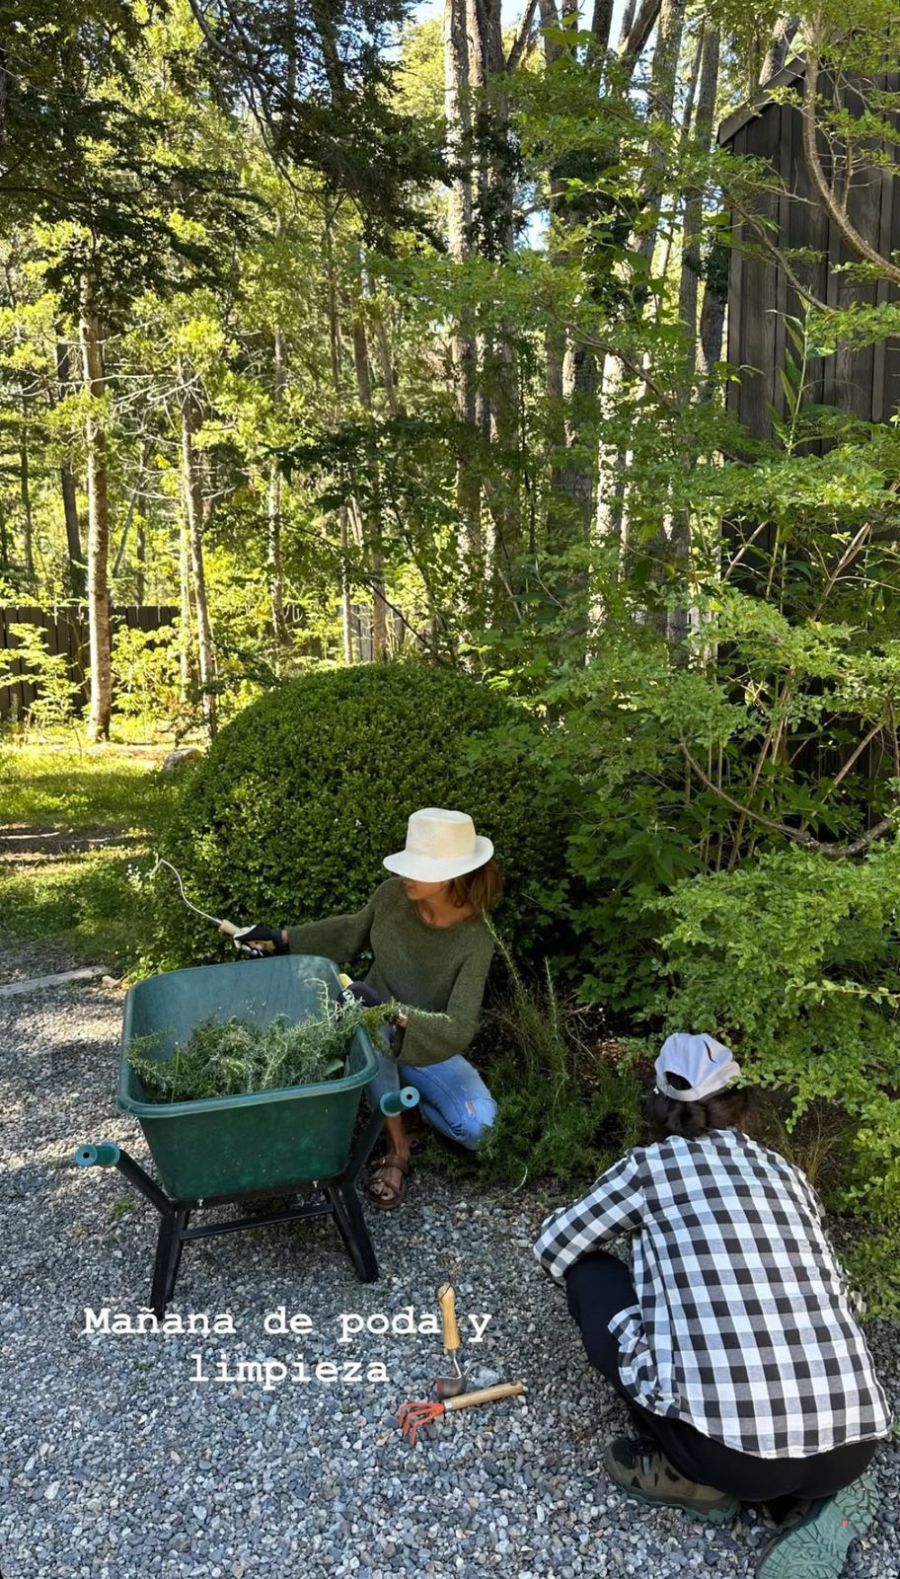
{"x":368,"y":996}
{"x":365,"y":994}
{"x":361,"y":992}
{"x":260,"y":941}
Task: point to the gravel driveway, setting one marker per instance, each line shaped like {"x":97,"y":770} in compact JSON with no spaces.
{"x":119,"y":1464}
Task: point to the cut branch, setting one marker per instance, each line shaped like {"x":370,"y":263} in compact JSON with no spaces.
{"x":833,"y":851}
{"x":520,"y":43}
{"x":835,"y":210}
{"x":641,"y":28}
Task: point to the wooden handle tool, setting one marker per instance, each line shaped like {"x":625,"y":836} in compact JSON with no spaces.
{"x":446,"y":1298}
{"x":413,"y":1417}
{"x":486,"y":1395}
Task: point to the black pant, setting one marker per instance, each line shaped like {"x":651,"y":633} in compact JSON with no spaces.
{"x":598,"y":1286}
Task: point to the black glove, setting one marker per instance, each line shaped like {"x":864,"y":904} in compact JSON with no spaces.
{"x":261,"y":941}
{"x":365,"y":994}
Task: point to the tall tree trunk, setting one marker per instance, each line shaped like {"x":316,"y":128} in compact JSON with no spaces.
{"x":693,"y":211}
{"x":463,"y":348}
{"x":712,"y":314}
{"x":555,"y":347}
{"x":140,"y":560}
{"x":346,"y":590}
{"x":191,"y":422}
{"x":375,"y":557}
{"x":73,"y":530}
{"x":25,"y":490}
{"x":77,"y":582}
{"x":386,"y":364}
{"x":661,"y":108}
{"x":186,"y":620}
{"x":572,"y":369}
{"x":275,"y":493}
{"x":679,"y":547}
{"x":660,"y":116}
{"x":493,"y":215}
{"x":334,"y":341}
{"x":782,"y":38}
{"x":96,"y":445}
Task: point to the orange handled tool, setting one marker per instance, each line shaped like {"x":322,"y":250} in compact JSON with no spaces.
{"x":413,"y":1417}
{"x":450,"y":1386}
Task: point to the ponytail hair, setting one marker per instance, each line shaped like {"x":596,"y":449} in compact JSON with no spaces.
{"x":731,"y":1109}
{"x":478,"y":891}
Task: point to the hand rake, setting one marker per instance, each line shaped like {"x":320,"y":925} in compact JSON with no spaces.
{"x":413,"y":1417}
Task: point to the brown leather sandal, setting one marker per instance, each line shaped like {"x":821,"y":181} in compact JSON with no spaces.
{"x":389,"y":1196}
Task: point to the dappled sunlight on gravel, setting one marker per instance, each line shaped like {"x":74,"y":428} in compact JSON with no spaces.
{"x":119,"y":1464}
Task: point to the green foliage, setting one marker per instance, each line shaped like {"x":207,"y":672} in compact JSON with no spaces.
{"x":566,"y":1109}
{"x":235,"y":1058}
{"x":146,"y":674}
{"x":83,"y":902}
{"x":794,"y":960}
{"x":57,"y":693}
{"x":108,"y":790}
{"x":291,"y":813}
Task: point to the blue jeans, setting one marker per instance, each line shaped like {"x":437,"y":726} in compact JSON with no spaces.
{"x":452,"y":1095}
{"x":453,"y":1098}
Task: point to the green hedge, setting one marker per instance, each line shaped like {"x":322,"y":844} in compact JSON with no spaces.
{"x":794,"y":960}
{"x":289,"y":816}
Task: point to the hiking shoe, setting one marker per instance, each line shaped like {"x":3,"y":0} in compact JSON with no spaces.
{"x":637,"y":1466}
{"x":816,"y":1546}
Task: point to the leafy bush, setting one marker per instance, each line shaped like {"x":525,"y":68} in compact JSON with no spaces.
{"x":146,"y":675}
{"x":761,"y":734}
{"x":566,"y":1107}
{"x":53,"y":706}
{"x":290,"y":815}
{"x":794,"y":960}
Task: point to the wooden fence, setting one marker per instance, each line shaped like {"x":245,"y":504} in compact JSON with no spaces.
{"x":66,"y":632}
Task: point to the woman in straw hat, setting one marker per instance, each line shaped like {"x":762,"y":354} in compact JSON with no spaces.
{"x":732,"y":1339}
{"x":431,"y":950}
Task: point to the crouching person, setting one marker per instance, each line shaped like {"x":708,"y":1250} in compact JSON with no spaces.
{"x":431,"y":950}
{"x":731,"y":1338}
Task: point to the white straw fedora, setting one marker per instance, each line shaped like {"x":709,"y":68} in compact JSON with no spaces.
{"x":440,"y":845}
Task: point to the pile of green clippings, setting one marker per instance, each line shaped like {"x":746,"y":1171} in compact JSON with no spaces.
{"x":233,"y":1058}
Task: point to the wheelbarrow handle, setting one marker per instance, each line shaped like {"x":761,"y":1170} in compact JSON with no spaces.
{"x":393,"y":1103}
{"x":104,"y":1155}
{"x":108,"y":1155}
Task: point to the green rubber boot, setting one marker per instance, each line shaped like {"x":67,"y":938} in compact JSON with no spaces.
{"x":641,"y":1469}
{"x":817,"y":1546}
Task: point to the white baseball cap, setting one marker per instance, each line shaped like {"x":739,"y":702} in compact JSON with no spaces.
{"x":703,"y":1062}
{"x":440,"y":845}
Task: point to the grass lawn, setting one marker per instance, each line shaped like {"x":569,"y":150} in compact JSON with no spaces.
{"x":78,"y":900}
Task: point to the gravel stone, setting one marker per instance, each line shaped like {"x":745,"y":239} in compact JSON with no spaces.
{"x":118,"y":1464}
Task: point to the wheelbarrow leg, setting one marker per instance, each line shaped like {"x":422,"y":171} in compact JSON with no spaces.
{"x":169,"y":1246}
{"x":353,"y":1228}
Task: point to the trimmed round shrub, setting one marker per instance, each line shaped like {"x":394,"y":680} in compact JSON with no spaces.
{"x":289,"y":816}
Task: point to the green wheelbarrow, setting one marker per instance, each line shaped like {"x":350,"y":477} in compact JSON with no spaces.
{"x":229,"y":1149}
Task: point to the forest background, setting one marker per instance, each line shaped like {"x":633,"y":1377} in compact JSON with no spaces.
{"x":383,"y":344}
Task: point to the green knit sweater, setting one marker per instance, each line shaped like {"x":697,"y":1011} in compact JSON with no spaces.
{"x":440,"y":969}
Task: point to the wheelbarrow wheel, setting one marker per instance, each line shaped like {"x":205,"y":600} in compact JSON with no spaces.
{"x":354,"y":1230}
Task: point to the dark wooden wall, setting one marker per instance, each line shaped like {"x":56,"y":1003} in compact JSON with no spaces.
{"x":866,"y":383}
{"x":67,"y":632}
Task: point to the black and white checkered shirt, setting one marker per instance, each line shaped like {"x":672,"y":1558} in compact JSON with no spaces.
{"x":742,"y":1325}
